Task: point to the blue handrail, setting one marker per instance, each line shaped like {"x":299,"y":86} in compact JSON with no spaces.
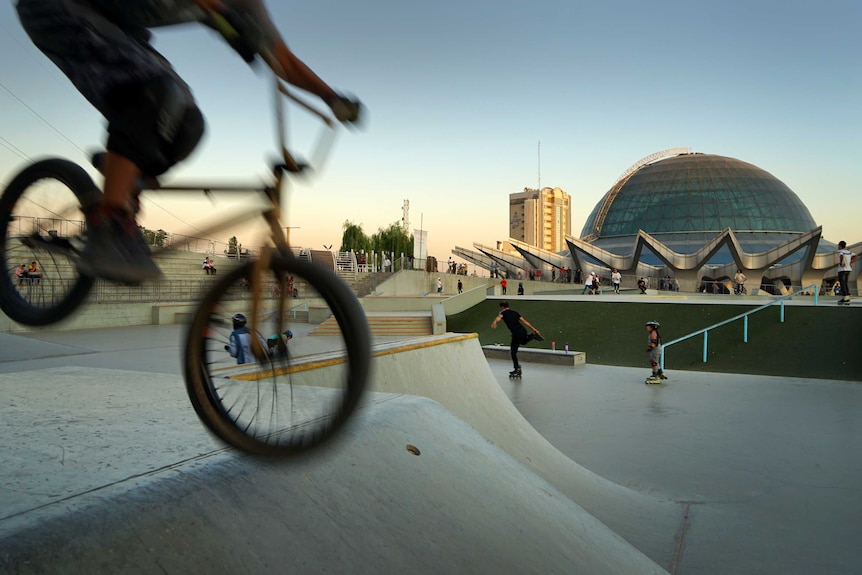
{"x":743,"y":316}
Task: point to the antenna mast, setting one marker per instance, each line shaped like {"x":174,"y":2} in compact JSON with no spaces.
{"x":540,"y":165}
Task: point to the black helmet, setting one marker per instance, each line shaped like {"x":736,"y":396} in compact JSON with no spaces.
{"x":239,"y":320}
{"x":654,"y":324}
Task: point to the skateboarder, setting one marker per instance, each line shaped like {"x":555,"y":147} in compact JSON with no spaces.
{"x":654,"y":350}
{"x":517,"y":325}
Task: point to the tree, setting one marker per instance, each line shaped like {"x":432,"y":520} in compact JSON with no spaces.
{"x":353,"y":238}
{"x":393,"y":239}
{"x":154,"y":238}
{"x":232,"y":245}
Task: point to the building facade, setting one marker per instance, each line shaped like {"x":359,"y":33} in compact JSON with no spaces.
{"x":691,"y":217}
{"x":541,"y":218}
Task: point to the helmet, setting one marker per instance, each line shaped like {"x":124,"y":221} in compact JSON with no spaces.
{"x":238,"y":320}
{"x":289,"y":334}
{"x":654,"y":324}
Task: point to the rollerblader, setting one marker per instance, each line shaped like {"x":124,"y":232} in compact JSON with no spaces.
{"x":518,"y":326}
{"x":654,"y":350}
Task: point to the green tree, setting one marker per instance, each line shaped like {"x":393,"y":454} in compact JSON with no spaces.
{"x":393,"y":239}
{"x":154,"y":238}
{"x":353,"y":238}
{"x":232,"y":245}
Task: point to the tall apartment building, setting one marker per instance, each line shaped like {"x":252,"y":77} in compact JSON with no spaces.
{"x":541,"y":218}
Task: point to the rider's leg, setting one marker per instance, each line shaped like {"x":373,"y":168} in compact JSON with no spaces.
{"x":121,"y":176}
{"x":152,"y":120}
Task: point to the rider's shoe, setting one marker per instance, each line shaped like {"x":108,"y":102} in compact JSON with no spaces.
{"x":116,"y":249}
{"x":538,"y":337}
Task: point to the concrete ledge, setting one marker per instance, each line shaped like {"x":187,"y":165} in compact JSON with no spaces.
{"x":173,"y":313}
{"x":526,"y":354}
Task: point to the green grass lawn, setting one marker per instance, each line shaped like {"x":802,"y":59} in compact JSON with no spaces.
{"x":807,"y":344}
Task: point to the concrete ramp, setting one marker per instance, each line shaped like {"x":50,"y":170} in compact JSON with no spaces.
{"x":452,"y":370}
{"x":105,"y":471}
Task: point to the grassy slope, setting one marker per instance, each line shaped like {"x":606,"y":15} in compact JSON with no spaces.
{"x":613,"y":333}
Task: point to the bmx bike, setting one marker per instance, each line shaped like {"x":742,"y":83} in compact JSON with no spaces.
{"x":294,"y":394}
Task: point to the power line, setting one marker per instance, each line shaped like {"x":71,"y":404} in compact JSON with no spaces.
{"x":47,"y":123}
{"x":14,"y":149}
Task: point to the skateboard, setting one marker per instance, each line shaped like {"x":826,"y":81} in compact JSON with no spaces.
{"x":843,"y":302}
{"x":515,"y":374}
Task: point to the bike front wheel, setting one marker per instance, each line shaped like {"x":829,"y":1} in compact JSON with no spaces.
{"x":42,"y":224}
{"x":307,"y":373}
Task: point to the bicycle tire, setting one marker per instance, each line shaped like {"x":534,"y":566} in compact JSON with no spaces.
{"x":280,"y":405}
{"x":51,"y":193}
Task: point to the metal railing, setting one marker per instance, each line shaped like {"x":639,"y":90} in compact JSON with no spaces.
{"x":743,"y":316}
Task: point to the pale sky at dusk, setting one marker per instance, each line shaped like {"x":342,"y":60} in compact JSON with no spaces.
{"x":460,"y":93}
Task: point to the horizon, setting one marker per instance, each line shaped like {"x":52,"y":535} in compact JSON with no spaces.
{"x":459,"y":97}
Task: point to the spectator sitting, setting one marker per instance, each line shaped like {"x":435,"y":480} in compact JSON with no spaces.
{"x":209,"y":266}
{"x":34,"y":274}
{"x":642,"y":286}
{"x":21,"y":274}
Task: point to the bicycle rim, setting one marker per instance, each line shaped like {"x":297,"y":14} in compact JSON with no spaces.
{"x":298,"y":393}
{"x":41,"y":221}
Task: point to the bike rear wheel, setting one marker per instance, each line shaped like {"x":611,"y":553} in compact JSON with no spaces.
{"x":301,"y":391}
{"x":42,"y":222}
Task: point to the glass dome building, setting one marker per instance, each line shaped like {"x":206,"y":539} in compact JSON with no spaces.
{"x":700,"y":217}
{"x":701,"y":193}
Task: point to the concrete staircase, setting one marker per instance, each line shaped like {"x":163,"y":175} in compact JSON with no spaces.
{"x":367,"y":284}
{"x":386,"y":324}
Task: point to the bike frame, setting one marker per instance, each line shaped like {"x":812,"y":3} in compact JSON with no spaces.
{"x":274,"y":192}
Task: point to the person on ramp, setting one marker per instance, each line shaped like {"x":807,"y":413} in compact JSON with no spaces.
{"x":654,"y":349}
{"x":518,"y":326}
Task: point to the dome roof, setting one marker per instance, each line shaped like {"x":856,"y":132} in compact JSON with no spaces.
{"x":698,"y":193}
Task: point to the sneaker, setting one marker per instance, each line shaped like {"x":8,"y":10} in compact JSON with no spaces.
{"x":538,"y":337}
{"x":116,"y":249}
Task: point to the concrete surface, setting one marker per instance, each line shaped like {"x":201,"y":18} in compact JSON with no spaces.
{"x":767,"y":469}
{"x":109,"y":471}
{"x":106,"y":470}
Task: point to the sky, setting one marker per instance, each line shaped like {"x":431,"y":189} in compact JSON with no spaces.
{"x":459,"y":95}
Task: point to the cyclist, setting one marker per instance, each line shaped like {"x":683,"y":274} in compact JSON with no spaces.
{"x":153,"y":122}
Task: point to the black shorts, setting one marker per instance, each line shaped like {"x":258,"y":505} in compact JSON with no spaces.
{"x":97,"y":53}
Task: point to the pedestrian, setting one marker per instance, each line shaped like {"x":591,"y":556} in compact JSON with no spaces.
{"x":642,"y":285}
{"x":588,"y":283}
{"x":518,"y":325}
{"x":846,"y":259}
{"x":520,"y":288}
{"x":739,"y":283}
{"x":616,"y":278}
{"x":460,"y":286}
{"x":503,"y":285}
{"x":439,"y":285}
{"x":654,"y":350}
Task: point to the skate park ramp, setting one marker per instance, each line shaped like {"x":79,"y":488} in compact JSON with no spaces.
{"x":107,"y":471}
